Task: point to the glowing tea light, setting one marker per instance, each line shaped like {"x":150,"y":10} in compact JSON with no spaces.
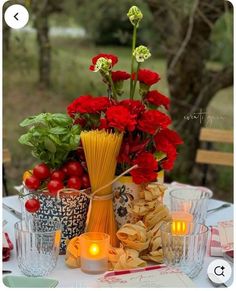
{"x":181,"y":222}
{"x":94,"y":252}
{"x":94,"y":249}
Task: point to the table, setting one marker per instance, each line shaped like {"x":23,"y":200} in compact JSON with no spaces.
{"x":75,"y":277}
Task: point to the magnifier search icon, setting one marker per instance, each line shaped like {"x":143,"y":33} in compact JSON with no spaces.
{"x":219,"y":270}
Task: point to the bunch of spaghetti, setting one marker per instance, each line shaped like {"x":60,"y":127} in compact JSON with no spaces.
{"x":101,"y":150}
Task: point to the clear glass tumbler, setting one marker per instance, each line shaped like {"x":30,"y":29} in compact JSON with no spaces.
{"x":191,"y":200}
{"x":185,"y":252}
{"x":37,"y":245}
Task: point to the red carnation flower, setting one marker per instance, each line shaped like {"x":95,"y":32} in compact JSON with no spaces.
{"x":134,"y":106}
{"x":169,"y":163}
{"x":87,"y":104}
{"x":147,"y":167}
{"x":163,"y":145}
{"x":151,"y":120}
{"x":156,"y":98}
{"x":113,"y":58}
{"x":99,"y":104}
{"x":119,"y":76}
{"x":170,"y":135}
{"x":147,"y":77}
{"x":79,"y":105}
{"x":120,"y":117}
{"x":103,"y":124}
{"x":131,"y":145}
{"x":166,"y":141}
{"x":124,"y":155}
{"x":81,"y":121}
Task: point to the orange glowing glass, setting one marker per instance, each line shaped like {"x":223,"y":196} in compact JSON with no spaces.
{"x":94,"y":252}
{"x":179,"y":227}
{"x":181,"y":220}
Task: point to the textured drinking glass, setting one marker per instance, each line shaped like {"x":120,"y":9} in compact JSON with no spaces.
{"x":185,"y":252}
{"x":191,"y":200}
{"x":37,"y":245}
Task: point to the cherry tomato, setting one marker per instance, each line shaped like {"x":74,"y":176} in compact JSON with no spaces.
{"x":54,"y":186}
{"x":74,"y":183}
{"x":41,"y":171}
{"x":84,"y":165}
{"x":74,"y":169}
{"x":58,"y":175}
{"x":32,"y":183}
{"x":85,"y":181}
{"x":80,"y":154}
{"x":32,"y":205}
{"x":65,"y":170}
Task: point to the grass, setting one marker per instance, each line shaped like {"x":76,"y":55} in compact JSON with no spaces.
{"x":70,"y":78}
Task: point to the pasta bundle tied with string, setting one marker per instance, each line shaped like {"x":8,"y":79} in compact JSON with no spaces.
{"x":101,"y":150}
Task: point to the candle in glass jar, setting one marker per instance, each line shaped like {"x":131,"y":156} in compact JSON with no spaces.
{"x":94,"y":252}
{"x":181,"y":222}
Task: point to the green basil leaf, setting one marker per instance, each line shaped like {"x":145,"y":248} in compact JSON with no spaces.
{"x":55,"y":139}
{"x":28,"y":121}
{"x":49,"y":145}
{"x":25,"y":139}
{"x":58,"y":130}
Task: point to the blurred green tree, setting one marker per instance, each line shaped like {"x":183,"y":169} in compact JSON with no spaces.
{"x":106,"y":23}
{"x":186,"y":29}
{"x":221,"y":48}
{"x":41,"y":11}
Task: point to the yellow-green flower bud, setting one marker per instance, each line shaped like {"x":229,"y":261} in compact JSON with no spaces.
{"x":141,"y":53}
{"x":103,"y":65}
{"x":135,"y":15}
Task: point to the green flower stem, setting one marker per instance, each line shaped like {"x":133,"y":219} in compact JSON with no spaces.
{"x":135,"y":81}
{"x":114,"y":94}
{"x":132,"y":58}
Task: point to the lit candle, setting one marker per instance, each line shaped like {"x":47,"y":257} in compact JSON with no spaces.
{"x":94,"y":252}
{"x":181,"y":222}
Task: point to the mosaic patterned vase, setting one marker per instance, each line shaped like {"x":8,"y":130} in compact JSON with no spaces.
{"x":70,"y":209}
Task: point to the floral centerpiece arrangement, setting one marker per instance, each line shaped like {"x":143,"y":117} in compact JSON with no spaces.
{"x":142,"y":118}
{"x":104,"y":136}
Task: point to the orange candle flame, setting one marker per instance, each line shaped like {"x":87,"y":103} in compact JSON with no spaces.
{"x":179,"y":227}
{"x":94,"y":249}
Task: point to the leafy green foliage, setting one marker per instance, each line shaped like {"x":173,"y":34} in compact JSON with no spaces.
{"x":106,"y":22}
{"x":222,"y":40}
{"x":51,"y":136}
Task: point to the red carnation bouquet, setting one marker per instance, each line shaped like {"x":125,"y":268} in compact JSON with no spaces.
{"x":142,"y":117}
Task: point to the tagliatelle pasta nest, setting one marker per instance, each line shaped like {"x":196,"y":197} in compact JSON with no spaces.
{"x":127,"y":259}
{"x":134,"y":236}
{"x":144,"y":236}
{"x":154,"y":217}
{"x":153,"y":191}
{"x":72,"y":258}
{"x":154,"y":252}
{"x":142,"y":207}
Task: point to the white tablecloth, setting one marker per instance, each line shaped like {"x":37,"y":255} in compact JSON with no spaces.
{"x":74,"y":277}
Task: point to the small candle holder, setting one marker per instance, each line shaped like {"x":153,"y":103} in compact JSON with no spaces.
{"x":180,"y":221}
{"x":94,"y":252}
